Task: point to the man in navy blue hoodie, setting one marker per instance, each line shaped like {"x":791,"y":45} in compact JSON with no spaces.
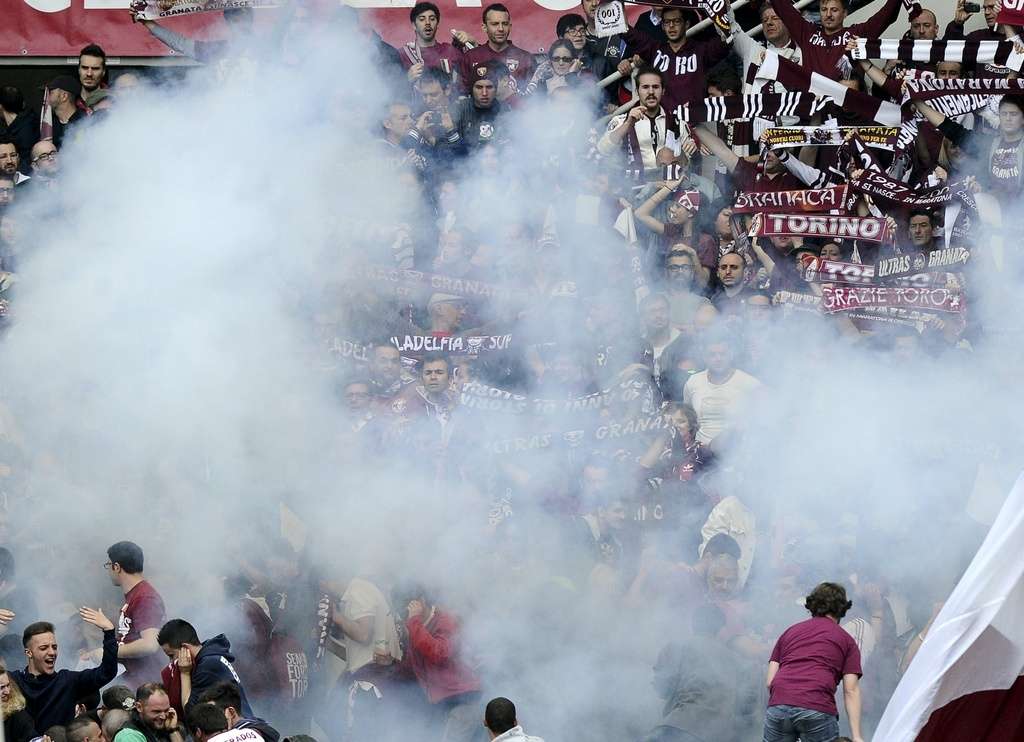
{"x":197,"y":666}
{"x":50,"y":694}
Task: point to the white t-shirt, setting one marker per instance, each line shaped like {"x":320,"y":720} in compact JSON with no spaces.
{"x":362,"y":599}
{"x":718,"y":406}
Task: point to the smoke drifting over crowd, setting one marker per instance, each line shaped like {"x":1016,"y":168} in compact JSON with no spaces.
{"x":193,"y":302}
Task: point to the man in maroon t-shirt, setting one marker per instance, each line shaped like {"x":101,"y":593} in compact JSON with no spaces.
{"x":683,"y":62}
{"x":497,"y":25}
{"x":425,"y":51}
{"x":140,"y":619}
{"x":806,"y":666}
{"x":823,"y":45}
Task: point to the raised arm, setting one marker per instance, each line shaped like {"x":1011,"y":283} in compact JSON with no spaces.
{"x":719,"y":148}
{"x":880,"y":20}
{"x":172,"y":39}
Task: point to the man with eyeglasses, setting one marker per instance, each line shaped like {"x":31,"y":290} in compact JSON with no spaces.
{"x":683,"y":63}
{"x":681,"y":268}
{"x":45,"y":163}
{"x":140,"y":619}
{"x":6,"y":192}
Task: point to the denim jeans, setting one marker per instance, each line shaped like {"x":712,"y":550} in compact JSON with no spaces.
{"x":791,"y":723}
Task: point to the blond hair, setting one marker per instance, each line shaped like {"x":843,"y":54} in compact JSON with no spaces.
{"x":16,"y":702}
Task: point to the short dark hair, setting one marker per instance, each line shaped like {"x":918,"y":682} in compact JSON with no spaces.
{"x":433,"y":74}
{"x":722,"y":543}
{"x":35,"y":629}
{"x":94,"y":50}
{"x":115,"y":696}
{"x":725,"y":79}
{"x":223,"y":695}
{"x":649,"y":70}
{"x":500,"y":715}
{"x":434,"y":357}
{"x":921,"y":212}
{"x":423,"y":8}
{"x":567,"y":21}
{"x":207,"y":718}
{"x":177,"y":632}
{"x":76,"y":728}
{"x":6,"y":557}
{"x":128,"y":554}
{"x":497,"y":8}
{"x":828,"y":599}
{"x":11,"y":99}
{"x":147,"y":690}
{"x":1017,"y":100}
{"x":57,"y":733}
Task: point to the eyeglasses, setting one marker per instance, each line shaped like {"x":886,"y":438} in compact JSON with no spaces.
{"x":672,"y":21}
{"x":45,"y":156}
{"x":565,"y":60}
{"x":577,"y":31}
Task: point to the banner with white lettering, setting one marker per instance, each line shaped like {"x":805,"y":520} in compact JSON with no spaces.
{"x":845,"y":298}
{"x":158,"y":10}
{"x":867,"y":228}
{"x":809,"y":200}
{"x":407,"y":281}
{"x":451,"y":344}
{"x":943,"y":259}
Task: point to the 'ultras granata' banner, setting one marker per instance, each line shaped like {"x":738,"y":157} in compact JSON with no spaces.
{"x":60,"y":28}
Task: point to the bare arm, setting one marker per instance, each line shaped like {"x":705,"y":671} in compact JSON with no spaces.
{"x":172,"y":39}
{"x":361,"y":629}
{"x":718,"y":148}
{"x":644,"y":212}
{"x":851,"y":699}
{"x":773,"y":668}
{"x":141,"y":647}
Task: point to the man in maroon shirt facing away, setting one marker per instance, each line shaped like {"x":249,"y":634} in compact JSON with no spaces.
{"x":498,"y":25}
{"x":823,"y":44}
{"x":806,"y":665}
{"x":140,"y":619}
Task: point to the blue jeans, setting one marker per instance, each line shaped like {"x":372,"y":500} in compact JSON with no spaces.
{"x":790,"y":723}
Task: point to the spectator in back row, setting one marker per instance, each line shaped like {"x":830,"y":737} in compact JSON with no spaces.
{"x":502,"y":724}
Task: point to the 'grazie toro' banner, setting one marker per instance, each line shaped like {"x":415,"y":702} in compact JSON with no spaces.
{"x":846,"y":298}
{"x":60,"y":28}
{"x":810,"y":200}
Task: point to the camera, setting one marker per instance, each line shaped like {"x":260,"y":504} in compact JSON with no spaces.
{"x":972,"y":8}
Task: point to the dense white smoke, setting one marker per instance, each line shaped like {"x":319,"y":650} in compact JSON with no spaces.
{"x":165,"y":374}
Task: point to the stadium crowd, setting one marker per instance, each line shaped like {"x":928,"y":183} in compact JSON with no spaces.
{"x":575,"y":323}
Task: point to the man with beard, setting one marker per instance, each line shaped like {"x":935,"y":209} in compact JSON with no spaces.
{"x":731,"y":291}
{"x":153,"y":719}
{"x":647,"y":133}
{"x":497,"y":24}
{"x":51,"y":695}
{"x":10,"y":162}
{"x":682,"y":268}
{"x":45,"y":164}
{"x":92,"y":69}
{"x":425,"y":52}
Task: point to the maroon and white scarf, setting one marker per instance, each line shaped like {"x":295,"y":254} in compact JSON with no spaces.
{"x":769,"y":105}
{"x":970,"y":53}
{"x":795,"y":77}
{"x":866,"y":228}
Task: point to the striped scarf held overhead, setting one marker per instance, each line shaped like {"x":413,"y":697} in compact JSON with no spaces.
{"x":722,"y":108}
{"x":956,"y":97}
{"x":971,"y":53}
{"x":794,"y":77}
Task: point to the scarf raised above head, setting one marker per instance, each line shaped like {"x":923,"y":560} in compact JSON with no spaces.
{"x":795,"y":77}
{"x":970,"y":53}
{"x":772,"y":105}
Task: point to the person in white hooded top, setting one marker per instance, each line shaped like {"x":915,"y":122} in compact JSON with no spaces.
{"x":501,"y":724}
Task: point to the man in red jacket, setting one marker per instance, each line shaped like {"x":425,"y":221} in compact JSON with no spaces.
{"x":452,"y":687}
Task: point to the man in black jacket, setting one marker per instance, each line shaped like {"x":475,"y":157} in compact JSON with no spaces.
{"x":199,"y":665}
{"x":51,"y":694}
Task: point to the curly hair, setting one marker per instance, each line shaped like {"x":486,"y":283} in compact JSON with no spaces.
{"x":828,"y":599}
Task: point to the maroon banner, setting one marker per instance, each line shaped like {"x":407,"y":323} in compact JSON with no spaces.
{"x":1011,"y":13}
{"x":846,"y":298}
{"x":810,"y":200}
{"x":866,"y":228}
{"x":942,"y":259}
{"x":834,"y":271}
{"x":60,"y":28}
